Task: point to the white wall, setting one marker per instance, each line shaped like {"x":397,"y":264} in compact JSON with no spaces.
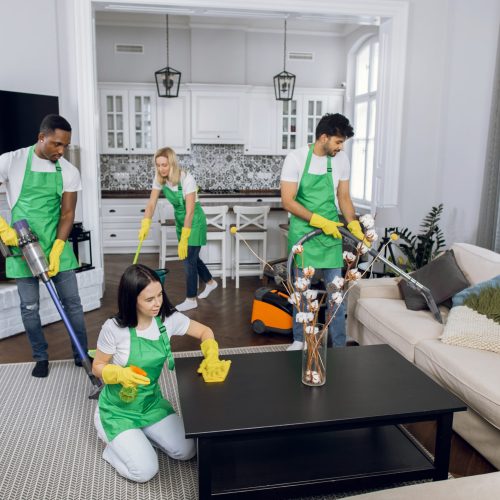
{"x":209,"y":55}
{"x":450,"y":66}
{"x":28,"y":37}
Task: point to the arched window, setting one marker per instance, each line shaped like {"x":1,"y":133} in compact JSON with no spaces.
{"x":364,"y":100}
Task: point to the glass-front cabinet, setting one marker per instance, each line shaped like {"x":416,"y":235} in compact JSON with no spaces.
{"x":128,"y":121}
{"x":300,"y":116}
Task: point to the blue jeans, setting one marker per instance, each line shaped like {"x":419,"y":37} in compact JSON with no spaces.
{"x":194,"y":267}
{"x":67,"y":289}
{"x":336,"y":329}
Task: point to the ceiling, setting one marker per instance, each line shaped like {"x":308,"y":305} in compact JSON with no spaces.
{"x":143,"y":15}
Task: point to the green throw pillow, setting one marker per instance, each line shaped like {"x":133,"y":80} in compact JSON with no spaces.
{"x":460,"y":297}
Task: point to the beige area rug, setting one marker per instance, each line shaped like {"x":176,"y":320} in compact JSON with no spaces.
{"x":49,"y":448}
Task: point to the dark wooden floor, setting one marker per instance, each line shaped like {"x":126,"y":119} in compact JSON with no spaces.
{"x":227,"y":311}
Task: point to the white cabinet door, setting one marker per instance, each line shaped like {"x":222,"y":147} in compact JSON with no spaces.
{"x":174,"y":118}
{"x":298,"y":118}
{"x":261,"y":124}
{"x":128,"y":120}
{"x":142,"y":122}
{"x":217,"y":117}
{"x":114,"y":121}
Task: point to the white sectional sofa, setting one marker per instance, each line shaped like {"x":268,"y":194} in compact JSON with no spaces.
{"x":377,"y":315}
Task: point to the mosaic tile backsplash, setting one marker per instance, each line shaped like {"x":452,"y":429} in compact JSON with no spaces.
{"x":214,"y":166}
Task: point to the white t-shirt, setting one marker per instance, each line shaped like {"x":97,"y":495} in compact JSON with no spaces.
{"x":187,"y":181}
{"x":13,"y":167}
{"x":116,"y":341}
{"x":295,"y":162}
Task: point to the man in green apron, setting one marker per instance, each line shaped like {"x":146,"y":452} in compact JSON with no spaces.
{"x":314,"y":186}
{"x":42,"y":188}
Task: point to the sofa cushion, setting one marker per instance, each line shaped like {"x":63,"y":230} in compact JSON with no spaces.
{"x":478,"y":264}
{"x":470,"y":374}
{"x":397,"y":326}
{"x":480,"y":486}
{"x":442,"y":276}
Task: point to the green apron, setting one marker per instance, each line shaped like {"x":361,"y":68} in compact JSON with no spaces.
{"x":40,"y":204}
{"x":198,"y":236}
{"x":317,"y":194}
{"x":149,"y":406}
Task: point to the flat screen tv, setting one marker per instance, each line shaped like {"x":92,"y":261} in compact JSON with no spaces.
{"x":20,"y":117}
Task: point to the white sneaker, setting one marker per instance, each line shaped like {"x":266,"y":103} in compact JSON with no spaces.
{"x":296,"y":346}
{"x":208,"y":290}
{"x":187,"y":305}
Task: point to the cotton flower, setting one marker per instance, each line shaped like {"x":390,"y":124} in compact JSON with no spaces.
{"x":336,"y":298}
{"x":362,"y":249}
{"x":349,"y":257}
{"x":313,"y":306}
{"x":295,"y":298}
{"x":367,"y":221}
{"x":311,"y":294}
{"x":312,"y":329}
{"x":304,"y":317}
{"x":371,"y":235}
{"x":338,"y":282}
{"x":297,"y":249}
{"x":353,"y":275}
{"x":308,"y":272}
{"x":302,"y":284}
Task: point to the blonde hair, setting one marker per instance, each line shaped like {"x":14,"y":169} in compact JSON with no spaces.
{"x":174,"y":174}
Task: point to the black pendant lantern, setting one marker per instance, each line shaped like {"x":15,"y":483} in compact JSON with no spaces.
{"x":284,"y":82}
{"x":167,"y":79}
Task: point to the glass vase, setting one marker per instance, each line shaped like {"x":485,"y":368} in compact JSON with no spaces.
{"x":314,"y":355}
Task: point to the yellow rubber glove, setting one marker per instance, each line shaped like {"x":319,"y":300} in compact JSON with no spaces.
{"x":55,"y":257}
{"x":8,"y":235}
{"x":329,"y":227}
{"x":212,"y":368}
{"x":114,"y":374}
{"x":355,"y":227}
{"x":145,"y":226}
{"x":182,"y":249}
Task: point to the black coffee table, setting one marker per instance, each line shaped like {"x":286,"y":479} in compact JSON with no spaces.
{"x":263,"y":434}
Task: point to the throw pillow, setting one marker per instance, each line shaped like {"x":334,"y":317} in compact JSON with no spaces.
{"x":476,"y":323}
{"x":442,"y":277}
{"x":459,"y":298}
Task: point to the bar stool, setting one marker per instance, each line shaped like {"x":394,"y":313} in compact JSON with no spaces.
{"x":284,"y":240}
{"x":251,"y":225}
{"x":168,"y":236}
{"x":217,"y":230}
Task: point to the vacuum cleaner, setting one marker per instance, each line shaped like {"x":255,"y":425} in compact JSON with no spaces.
{"x":272,"y":313}
{"x":37,"y":262}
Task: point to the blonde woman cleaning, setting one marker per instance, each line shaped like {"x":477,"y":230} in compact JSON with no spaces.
{"x":179,"y":187}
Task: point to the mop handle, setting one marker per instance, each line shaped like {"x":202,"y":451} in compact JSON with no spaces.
{"x":137,"y":252}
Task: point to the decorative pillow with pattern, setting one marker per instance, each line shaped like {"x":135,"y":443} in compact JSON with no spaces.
{"x":476,"y":323}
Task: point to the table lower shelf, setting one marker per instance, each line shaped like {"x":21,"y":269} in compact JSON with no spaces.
{"x":314,"y":461}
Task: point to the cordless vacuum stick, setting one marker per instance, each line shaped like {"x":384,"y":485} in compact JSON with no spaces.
{"x":37,"y":262}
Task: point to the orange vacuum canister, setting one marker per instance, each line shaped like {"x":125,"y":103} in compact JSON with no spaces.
{"x":271,"y":312}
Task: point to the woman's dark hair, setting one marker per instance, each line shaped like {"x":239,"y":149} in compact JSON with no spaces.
{"x":133,"y":281}
{"x":334,"y":124}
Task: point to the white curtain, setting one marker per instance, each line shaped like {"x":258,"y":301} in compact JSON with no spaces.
{"x":489,"y":227}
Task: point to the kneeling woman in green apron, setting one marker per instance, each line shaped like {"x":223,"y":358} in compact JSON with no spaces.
{"x":132,"y":415}
{"x":179,"y":187}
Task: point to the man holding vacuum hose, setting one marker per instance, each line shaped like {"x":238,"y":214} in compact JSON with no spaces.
{"x":42,"y":188}
{"x":314,"y":186}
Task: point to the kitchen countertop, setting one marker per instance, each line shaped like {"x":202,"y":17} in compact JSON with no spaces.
{"x":248,"y":193}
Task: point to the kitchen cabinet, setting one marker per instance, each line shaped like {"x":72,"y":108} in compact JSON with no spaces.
{"x":298,"y":118}
{"x":121,"y":221}
{"x":218,"y":114}
{"x":260,"y":136}
{"x":128,"y":119}
{"x":174,"y":118}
